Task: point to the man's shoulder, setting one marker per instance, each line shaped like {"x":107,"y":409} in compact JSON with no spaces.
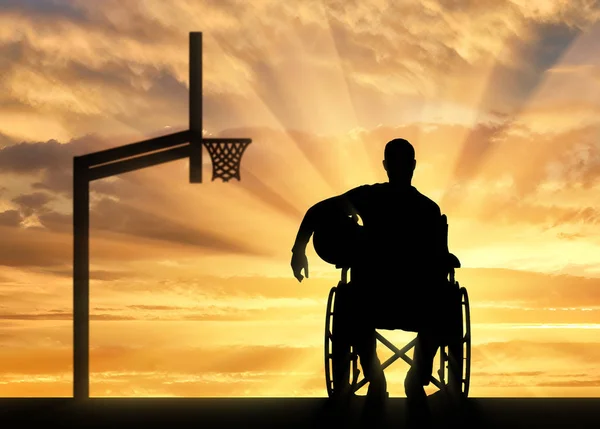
{"x":382,"y":190}
{"x":426,"y":202}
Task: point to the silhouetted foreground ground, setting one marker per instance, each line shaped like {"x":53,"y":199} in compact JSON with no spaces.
{"x":286,"y":413}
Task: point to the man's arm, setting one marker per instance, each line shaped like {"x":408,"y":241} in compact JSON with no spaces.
{"x":313,"y":217}
{"x":344,"y":203}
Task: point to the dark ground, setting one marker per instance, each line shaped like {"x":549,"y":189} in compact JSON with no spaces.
{"x":287,"y":413}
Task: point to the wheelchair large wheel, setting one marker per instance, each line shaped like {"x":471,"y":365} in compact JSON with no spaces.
{"x":332,"y":362}
{"x":455,"y":358}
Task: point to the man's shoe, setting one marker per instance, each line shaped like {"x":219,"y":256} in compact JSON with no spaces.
{"x":343,"y":394}
{"x":377,"y":390}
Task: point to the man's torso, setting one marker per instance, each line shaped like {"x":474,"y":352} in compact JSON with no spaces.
{"x":402,"y":233}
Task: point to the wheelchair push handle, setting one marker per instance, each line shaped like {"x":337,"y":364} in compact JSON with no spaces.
{"x":344,"y":274}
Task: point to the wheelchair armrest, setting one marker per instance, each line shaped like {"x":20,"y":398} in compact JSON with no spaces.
{"x":453,"y":261}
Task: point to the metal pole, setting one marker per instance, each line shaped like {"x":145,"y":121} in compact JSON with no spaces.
{"x":81,"y":286}
{"x":195,"y":107}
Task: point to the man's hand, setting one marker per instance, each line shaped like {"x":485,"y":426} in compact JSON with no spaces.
{"x":299,"y":263}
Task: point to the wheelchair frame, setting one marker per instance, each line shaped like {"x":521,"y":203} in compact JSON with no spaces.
{"x":454,"y":372}
{"x":455,"y":358}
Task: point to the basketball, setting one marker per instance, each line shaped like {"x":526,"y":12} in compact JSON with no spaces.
{"x":337,"y":240}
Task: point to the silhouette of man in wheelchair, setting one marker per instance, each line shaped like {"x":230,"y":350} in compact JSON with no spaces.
{"x":400,"y":267}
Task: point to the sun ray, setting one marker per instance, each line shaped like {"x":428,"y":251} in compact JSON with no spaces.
{"x":360,"y":154}
{"x":276,"y":119}
{"x":467,"y":168}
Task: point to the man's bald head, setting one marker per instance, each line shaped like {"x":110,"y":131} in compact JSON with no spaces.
{"x":399,"y":160}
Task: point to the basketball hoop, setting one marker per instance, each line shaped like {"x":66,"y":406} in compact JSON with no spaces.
{"x":226,"y":156}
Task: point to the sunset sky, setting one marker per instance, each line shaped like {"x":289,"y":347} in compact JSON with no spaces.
{"x":191,"y":290}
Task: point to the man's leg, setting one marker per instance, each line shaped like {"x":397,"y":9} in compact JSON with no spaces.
{"x":364,"y":340}
{"x":419,"y":376}
{"x":366,"y":348}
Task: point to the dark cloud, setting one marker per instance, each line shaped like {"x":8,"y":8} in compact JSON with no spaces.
{"x":165,"y":98}
{"x":123,"y":218}
{"x":58,"y":222}
{"x":112,"y":74}
{"x":59,"y":315}
{"x":532,"y":58}
{"x":34,"y":248}
{"x":366,"y":49}
{"x":95,"y":274}
{"x":135,"y":23}
{"x":51,"y":9}
{"x":5,"y":140}
{"x":34,"y":157}
{"x":54,"y":161}
{"x":34,"y":203}
{"x":10,"y":218}
{"x":108,"y":276}
{"x":165,"y":86}
{"x":51,"y":247}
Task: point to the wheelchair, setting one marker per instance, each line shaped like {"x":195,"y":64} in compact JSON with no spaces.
{"x":453,"y":376}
